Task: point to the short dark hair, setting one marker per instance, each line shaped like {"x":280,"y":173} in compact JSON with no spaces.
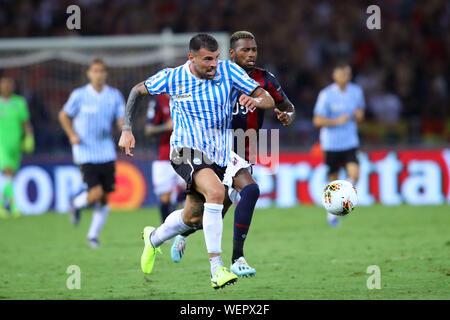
{"x":341,"y":64}
{"x":203,"y":40}
{"x":240,"y":35}
{"x":95,"y":61}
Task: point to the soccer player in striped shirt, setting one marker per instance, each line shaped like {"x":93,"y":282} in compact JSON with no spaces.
{"x":16,"y":135}
{"x":202,"y":92}
{"x":339,"y":107}
{"x":244,"y":51}
{"x":87,"y":118}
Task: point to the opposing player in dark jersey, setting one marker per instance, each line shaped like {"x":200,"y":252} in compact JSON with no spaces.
{"x":244,"y":51}
{"x":166,"y":182}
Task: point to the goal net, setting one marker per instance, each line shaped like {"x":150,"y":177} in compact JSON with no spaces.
{"x":46,"y":70}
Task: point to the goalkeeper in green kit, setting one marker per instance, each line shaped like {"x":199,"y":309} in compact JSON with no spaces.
{"x":16,"y":135}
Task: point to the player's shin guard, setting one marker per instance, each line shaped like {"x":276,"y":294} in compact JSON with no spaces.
{"x":172,"y":226}
{"x":213,"y":227}
{"x":243,"y":217}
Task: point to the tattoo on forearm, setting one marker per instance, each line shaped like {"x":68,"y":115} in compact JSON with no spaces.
{"x":131,"y":108}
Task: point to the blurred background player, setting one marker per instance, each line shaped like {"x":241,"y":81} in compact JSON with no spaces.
{"x":166,"y":182}
{"x":87,"y":118}
{"x":339,"y":107}
{"x":244,"y":51}
{"x":16,"y":135}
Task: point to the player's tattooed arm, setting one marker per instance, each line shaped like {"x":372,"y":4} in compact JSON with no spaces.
{"x":260,"y":98}
{"x":285,"y":112}
{"x":135,"y":96}
{"x":127,"y":141}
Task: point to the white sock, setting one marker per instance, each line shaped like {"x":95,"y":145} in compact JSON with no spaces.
{"x":98,"y":221}
{"x":80,"y":200}
{"x":216,"y":263}
{"x":172,"y":226}
{"x":213,"y":227}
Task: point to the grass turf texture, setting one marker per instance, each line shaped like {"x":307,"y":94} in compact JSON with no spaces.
{"x":296,"y":255}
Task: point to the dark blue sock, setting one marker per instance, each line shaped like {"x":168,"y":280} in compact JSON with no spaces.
{"x":243,"y":217}
{"x":164,"y":209}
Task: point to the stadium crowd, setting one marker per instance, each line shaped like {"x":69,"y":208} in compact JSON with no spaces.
{"x":403,"y":68}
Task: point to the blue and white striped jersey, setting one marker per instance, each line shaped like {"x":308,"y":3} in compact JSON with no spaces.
{"x":202,"y":109}
{"x":93,"y":115}
{"x":331,"y":103}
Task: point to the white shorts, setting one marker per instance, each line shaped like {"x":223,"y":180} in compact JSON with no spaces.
{"x":236,"y":163}
{"x":164,"y":177}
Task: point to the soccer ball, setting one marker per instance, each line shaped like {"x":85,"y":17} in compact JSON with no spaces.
{"x":339,"y":197}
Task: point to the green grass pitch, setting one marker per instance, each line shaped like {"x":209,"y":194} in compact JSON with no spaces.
{"x":295,"y":253}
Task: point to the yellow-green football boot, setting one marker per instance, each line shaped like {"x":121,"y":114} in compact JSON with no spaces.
{"x":149,"y":253}
{"x":3,"y":213}
{"x":15,"y":213}
{"x":222,"y":278}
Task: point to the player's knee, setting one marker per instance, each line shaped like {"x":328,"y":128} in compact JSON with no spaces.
{"x":195,"y":222}
{"x":252,"y":190}
{"x":95,"y":194}
{"x":216,"y":194}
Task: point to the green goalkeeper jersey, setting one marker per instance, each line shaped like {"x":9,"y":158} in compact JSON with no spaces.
{"x":13,"y":113}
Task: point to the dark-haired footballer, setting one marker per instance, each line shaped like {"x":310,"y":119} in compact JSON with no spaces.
{"x":238,"y":177}
{"x":201,"y":91}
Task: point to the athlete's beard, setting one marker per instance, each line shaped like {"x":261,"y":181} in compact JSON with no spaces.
{"x":205,"y":75}
{"x":248,"y":69}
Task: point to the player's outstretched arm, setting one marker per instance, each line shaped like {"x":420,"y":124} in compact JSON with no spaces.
{"x":260,"y":98}
{"x":126,"y":141}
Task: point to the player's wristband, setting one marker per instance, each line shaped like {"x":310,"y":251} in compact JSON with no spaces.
{"x":126,"y":128}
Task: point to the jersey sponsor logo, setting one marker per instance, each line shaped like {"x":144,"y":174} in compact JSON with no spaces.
{"x":85,"y":108}
{"x":183,"y":97}
{"x":336,"y":107}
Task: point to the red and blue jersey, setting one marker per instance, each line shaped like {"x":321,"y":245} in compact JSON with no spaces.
{"x":158,"y":112}
{"x":245,"y":119}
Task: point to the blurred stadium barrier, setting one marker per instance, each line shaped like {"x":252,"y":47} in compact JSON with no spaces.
{"x":415,"y":177}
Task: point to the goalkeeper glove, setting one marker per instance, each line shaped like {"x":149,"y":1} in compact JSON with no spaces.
{"x":28,"y":143}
